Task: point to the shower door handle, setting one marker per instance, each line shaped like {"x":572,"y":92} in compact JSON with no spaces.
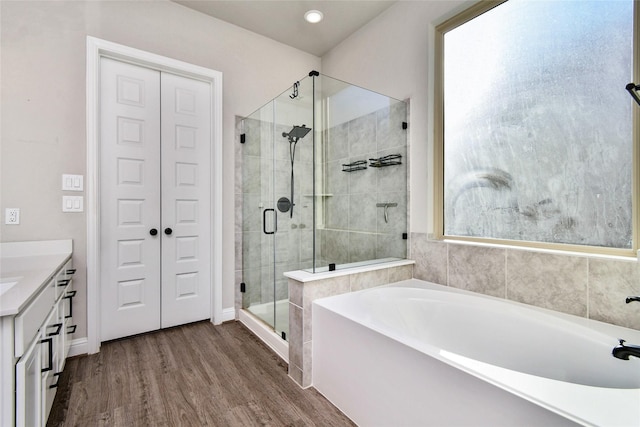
{"x":264,"y":221}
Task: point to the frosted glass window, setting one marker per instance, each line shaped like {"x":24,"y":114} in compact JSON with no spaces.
{"x":537,"y":123}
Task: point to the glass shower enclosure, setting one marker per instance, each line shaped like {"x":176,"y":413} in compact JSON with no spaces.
{"x":324,"y":186}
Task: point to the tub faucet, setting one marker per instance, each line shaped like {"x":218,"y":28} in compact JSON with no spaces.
{"x":630,"y":299}
{"x":623,"y":352}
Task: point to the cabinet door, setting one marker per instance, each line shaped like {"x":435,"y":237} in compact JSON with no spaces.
{"x":50,"y":351}
{"x":28,"y":386}
{"x":70,"y":323}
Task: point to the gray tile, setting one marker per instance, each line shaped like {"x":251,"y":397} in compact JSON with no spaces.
{"x":337,"y":210}
{"x":362,"y":212}
{"x":337,"y":181}
{"x":295,"y":374}
{"x":237,"y":294}
{"x":238,"y":251}
{"x":397,"y":274}
{"x":296,"y":339}
{"x":391,"y":246}
{"x":368,"y":279}
{"x":430,"y":257}
{"x":477,"y":269}
{"x":362,"y":246}
{"x":363,"y":181}
{"x":610,"y":283}
{"x":393,"y":178}
{"x":338,"y":142}
{"x":335,"y":247}
{"x":389,"y":126}
{"x":320,"y":289}
{"x":362,"y":135}
{"x":295,"y":292}
{"x":556,"y":282}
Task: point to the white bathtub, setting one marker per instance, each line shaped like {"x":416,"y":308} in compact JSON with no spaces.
{"x":414,"y":353}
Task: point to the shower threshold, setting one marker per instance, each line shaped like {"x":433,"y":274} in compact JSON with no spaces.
{"x":258,"y":318}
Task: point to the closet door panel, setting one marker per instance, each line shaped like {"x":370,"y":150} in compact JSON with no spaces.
{"x":186,"y":199}
{"x":129,"y":199}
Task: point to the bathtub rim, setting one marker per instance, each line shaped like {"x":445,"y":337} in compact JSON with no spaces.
{"x":564,"y":398}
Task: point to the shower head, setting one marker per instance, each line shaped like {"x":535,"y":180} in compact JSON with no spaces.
{"x":296,"y":133}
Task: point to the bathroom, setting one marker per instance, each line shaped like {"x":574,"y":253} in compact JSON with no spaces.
{"x":44,"y":136}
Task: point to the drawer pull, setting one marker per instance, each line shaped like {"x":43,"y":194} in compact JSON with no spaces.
{"x":64,"y":282}
{"x":58,"y":327}
{"x":57,"y":375}
{"x":71,"y":271}
{"x":71,"y":329}
{"x":70,"y":296}
{"x":50,"y":358}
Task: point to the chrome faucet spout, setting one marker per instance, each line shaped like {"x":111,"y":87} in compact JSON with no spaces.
{"x":622,"y":351}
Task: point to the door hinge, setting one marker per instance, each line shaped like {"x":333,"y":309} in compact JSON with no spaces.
{"x":405,"y":125}
{"x":284,"y":335}
{"x":243,"y":287}
{"x":243,"y":138}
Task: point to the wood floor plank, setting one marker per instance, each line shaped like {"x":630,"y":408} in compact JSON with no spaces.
{"x":192,"y":375}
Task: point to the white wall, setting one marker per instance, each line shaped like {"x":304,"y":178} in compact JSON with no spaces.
{"x":43,"y":101}
{"x":390,"y":55}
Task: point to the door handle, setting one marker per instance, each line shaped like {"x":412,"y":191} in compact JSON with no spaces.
{"x":168,"y":231}
{"x":153,"y":231}
{"x":264,"y":221}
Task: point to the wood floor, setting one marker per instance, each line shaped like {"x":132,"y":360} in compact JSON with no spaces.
{"x":192,"y":375}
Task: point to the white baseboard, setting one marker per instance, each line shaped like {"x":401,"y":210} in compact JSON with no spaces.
{"x":79,"y":346}
{"x":228,"y":314}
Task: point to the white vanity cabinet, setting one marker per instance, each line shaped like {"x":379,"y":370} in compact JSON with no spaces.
{"x":36,"y":336}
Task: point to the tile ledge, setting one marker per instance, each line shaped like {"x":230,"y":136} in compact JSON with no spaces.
{"x":305,"y":276}
{"x":542,"y":250}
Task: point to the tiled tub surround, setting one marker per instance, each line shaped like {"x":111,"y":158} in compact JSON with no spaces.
{"x":304,"y":288}
{"x":583,"y":285}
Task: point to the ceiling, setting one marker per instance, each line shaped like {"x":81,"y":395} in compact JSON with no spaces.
{"x":284,"y":20}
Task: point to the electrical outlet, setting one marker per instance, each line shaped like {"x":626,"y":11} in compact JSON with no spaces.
{"x":12,"y":216}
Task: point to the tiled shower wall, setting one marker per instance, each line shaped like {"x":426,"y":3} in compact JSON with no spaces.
{"x":354,"y":228}
{"x":587,"y":286}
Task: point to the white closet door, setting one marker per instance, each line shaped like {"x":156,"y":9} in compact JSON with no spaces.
{"x":129,"y":199}
{"x":186,"y":200}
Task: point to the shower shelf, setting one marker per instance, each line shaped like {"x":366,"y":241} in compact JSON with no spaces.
{"x":355,"y":166}
{"x":390,"y":160}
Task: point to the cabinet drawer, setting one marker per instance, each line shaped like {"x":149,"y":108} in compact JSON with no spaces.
{"x":64,"y":277}
{"x":31,"y":318}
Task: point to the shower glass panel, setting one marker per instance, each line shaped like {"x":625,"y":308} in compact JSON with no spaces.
{"x":277,"y":207}
{"x":324,"y":186}
{"x":361,"y":176}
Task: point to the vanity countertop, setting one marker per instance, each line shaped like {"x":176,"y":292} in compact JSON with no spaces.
{"x":28,"y":266}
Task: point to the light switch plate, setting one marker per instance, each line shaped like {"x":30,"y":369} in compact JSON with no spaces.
{"x":72,"y":204}
{"x":72,"y":182}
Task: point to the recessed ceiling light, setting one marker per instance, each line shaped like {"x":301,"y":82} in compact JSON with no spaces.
{"x":313,"y":16}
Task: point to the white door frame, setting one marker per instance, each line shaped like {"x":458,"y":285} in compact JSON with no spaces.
{"x":97,"y":48}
